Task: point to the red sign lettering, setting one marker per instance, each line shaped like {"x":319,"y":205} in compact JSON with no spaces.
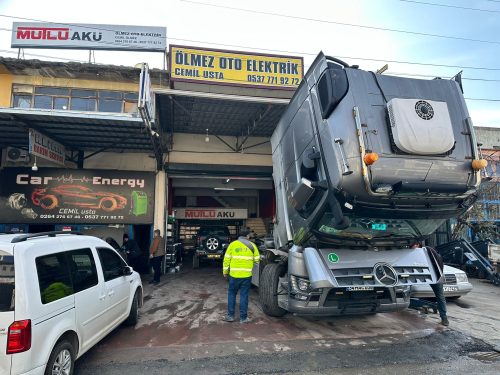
{"x":43,"y":33}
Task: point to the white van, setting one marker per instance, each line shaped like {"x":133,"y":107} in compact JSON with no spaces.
{"x":60,"y":294}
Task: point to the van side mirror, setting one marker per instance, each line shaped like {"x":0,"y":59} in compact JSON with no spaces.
{"x":127,"y":271}
{"x":301,"y":194}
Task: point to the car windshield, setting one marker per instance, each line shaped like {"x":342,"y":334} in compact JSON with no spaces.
{"x":214,"y":231}
{"x":376,"y":228}
{"x":6,"y":282}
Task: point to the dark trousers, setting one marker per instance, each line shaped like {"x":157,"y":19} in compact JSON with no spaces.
{"x":243,"y":285}
{"x":156,"y":264}
{"x":440,"y":299}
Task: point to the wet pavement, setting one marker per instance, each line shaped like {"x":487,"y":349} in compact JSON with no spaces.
{"x":180,"y":325}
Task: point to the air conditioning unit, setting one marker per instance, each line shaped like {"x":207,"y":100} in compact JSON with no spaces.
{"x":17,"y":155}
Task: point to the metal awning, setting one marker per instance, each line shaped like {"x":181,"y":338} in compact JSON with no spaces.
{"x":222,"y":114}
{"x":77,"y":131}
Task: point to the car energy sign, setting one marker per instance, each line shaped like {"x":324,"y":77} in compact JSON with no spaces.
{"x":73,"y":196}
{"x":214,"y":66}
{"x":88,"y":36}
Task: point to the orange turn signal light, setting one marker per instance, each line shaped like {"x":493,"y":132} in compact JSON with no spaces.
{"x":478,"y":164}
{"x":370,"y":158}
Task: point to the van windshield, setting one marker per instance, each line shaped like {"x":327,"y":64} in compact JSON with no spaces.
{"x":6,"y":282}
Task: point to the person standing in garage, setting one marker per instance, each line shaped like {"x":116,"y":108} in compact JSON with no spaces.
{"x":156,"y":253}
{"x":438,"y":287}
{"x":240,"y":257}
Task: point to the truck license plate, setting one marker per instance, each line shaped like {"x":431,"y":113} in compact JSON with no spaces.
{"x":358,"y":288}
{"x":450,"y":288}
{"x":213,"y":256}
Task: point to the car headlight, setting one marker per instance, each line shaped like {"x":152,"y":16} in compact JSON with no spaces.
{"x":462,"y":277}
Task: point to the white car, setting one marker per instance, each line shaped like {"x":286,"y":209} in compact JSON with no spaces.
{"x":59,"y":295}
{"x":456,"y":285}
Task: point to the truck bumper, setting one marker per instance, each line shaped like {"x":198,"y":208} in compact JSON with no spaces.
{"x":348,"y":303}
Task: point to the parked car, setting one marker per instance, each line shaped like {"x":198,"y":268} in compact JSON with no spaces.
{"x":456,"y":285}
{"x":60,"y":294}
{"x":78,"y":196}
{"x":211,"y":243}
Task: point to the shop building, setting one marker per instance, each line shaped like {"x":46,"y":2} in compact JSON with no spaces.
{"x":109,"y":155}
{"x":208,"y":150}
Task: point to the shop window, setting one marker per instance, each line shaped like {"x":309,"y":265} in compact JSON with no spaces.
{"x":117,"y":95}
{"x":81,"y":104}
{"x":24,"y":89}
{"x":77,"y":93}
{"x":22,"y":101}
{"x":106,"y":105}
{"x":130,"y":96}
{"x":59,"y":91}
{"x":43,"y":102}
{"x":130,"y":107}
{"x":61,"y":103}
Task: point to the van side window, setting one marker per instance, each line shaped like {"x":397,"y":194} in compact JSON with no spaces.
{"x":332,"y":87}
{"x":83,"y":269}
{"x":112,"y":263}
{"x":53,"y":277}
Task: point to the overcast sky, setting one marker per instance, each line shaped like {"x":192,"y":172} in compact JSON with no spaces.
{"x":466,"y":39}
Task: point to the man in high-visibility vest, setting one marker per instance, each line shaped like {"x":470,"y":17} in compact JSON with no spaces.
{"x":239,"y":259}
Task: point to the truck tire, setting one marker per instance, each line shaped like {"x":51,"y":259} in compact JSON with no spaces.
{"x":196,"y":261}
{"x":268,"y":289}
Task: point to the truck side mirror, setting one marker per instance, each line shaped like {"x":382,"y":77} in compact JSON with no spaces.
{"x":301,"y":194}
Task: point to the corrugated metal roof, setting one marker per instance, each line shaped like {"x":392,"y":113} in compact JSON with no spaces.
{"x":76,"y":131}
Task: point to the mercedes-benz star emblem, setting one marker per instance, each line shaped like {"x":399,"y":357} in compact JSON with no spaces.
{"x":385,"y":274}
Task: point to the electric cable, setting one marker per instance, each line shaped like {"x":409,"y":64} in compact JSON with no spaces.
{"x":450,"y":6}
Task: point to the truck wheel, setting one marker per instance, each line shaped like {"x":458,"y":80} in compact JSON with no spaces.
{"x":61,"y":360}
{"x":268,"y":289}
{"x":133,"y":316}
{"x":196,"y":261}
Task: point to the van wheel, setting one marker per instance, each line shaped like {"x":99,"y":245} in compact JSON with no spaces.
{"x":133,"y":316}
{"x":268,"y":289}
{"x":61,"y":360}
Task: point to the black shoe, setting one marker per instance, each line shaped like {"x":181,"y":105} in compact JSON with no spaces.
{"x":151,"y":281}
{"x":156,"y":282}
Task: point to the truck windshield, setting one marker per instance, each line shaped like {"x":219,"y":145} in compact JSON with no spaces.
{"x":372,"y":228}
{"x":6,"y":282}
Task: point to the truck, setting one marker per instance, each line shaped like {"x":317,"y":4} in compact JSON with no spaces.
{"x":364,"y":165}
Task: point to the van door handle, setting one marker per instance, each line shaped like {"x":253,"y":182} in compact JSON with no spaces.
{"x":111,"y":293}
{"x":102,"y":296}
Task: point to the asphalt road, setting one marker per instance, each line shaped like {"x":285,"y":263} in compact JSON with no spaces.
{"x":180,"y":332}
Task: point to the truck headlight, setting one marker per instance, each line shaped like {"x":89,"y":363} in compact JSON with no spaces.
{"x":300,"y":284}
{"x":461,"y":277}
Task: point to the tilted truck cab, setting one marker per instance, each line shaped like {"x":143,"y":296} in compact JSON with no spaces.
{"x":363,"y":165}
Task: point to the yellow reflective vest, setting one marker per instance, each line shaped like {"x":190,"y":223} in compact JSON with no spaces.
{"x":239,"y":259}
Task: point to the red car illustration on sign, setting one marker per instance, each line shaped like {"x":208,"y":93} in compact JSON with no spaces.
{"x":77,"y":195}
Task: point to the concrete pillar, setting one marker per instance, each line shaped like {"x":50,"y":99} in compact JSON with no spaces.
{"x":160,"y":202}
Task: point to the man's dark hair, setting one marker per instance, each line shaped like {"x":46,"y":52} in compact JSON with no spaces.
{"x":244,"y":232}
{"x":157,"y":231}
{"x":125,"y":235}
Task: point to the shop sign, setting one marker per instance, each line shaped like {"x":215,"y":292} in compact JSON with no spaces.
{"x":211,"y":213}
{"x":194,"y":64}
{"x":146,"y":102}
{"x":88,"y":36}
{"x":45,"y":147}
{"x":73,"y":196}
